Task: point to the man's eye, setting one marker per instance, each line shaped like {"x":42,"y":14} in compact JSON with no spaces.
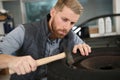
{"x":65,"y":19}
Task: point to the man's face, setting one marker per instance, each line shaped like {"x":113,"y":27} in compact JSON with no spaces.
{"x":62,"y":22}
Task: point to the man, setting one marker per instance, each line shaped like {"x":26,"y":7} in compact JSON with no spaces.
{"x":40,"y":39}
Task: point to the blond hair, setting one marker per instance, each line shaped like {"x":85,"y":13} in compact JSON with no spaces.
{"x":74,"y":5}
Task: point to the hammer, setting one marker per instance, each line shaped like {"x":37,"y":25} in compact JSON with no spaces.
{"x":66,"y":54}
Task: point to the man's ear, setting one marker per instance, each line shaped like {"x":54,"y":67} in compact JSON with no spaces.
{"x":52,"y":12}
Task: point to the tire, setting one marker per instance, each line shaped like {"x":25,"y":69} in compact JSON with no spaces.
{"x":59,"y":70}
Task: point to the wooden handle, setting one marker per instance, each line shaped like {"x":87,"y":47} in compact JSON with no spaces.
{"x":50,"y":59}
{"x":46,"y":60}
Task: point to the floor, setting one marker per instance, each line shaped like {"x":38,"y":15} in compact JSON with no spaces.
{"x":4,"y":77}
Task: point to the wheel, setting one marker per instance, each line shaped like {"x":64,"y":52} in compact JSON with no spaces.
{"x":60,"y":70}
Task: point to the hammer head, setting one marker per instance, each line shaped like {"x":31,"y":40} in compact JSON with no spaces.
{"x":68,"y":47}
{"x":69,"y":57}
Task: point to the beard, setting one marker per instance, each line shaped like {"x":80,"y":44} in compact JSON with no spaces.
{"x":58,"y":33}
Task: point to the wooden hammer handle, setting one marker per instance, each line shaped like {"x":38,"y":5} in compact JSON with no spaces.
{"x":46,"y":60}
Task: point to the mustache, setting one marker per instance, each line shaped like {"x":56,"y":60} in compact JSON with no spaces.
{"x":63,"y":30}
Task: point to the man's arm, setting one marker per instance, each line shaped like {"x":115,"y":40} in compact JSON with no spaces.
{"x":20,"y":65}
{"x":4,"y":60}
{"x":80,"y":45}
{"x":10,"y":43}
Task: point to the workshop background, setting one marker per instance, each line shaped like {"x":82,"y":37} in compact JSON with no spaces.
{"x":96,"y":13}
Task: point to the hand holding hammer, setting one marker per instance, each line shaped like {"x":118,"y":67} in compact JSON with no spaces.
{"x":46,"y":60}
{"x":68,"y":47}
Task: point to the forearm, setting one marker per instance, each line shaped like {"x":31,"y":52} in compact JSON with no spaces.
{"x":4,"y":60}
{"x":14,"y":63}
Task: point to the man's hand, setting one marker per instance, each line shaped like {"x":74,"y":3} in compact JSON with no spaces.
{"x":83,"y":48}
{"x":22,"y":65}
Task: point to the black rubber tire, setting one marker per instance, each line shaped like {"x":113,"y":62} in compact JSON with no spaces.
{"x":59,"y":70}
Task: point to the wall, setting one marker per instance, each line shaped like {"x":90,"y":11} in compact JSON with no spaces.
{"x":38,"y":9}
{"x":14,"y":9}
{"x":1,"y":6}
{"x":1,"y":23}
{"x":94,"y":8}
{"x":116,"y":4}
